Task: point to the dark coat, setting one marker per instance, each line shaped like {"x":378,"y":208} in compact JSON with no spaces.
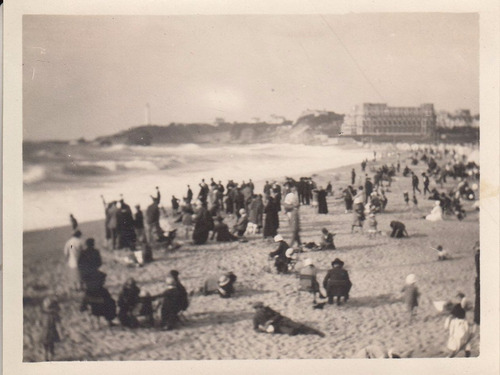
{"x":272,"y":221}
{"x":336,"y":282}
{"x":88,"y":263}
{"x":221,"y":233}
{"x":322,"y":205}
{"x":203,"y":224}
{"x":170,"y":308}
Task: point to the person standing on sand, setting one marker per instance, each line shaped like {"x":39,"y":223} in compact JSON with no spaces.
{"x":139,"y":225}
{"x":353,"y":176}
{"x":459,"y":332}
{"x":414,"y":183}
{"x":411,"y":295}
{"x":322,"y":205}
{"x":72,"y":250}
{"x":272,"y":220}
{"x":89,"y":261}
{"x":477,"y":290}
{"x":153,"y":218}
{"x":189,"y":195}
{"x":51,"y":326}
{"x":291,"y":205}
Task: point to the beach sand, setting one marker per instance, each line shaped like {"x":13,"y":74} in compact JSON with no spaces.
{"x":222,"y":328}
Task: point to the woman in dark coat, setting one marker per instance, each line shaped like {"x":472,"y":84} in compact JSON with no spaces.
{"x":203,"y":225}
{"x":337,"y":282}
{"x":272,"y":220}
{"x":347,"y":195}
{"x":127,"y":301}
{"x":171,"y":305}
{"x":322,"y":205}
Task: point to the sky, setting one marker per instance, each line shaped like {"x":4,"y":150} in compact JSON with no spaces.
{"x":88,"y":76}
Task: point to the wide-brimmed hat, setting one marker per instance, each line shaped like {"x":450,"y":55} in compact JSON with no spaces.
{"x":411,"y":279}
{"x":337,"y":261}
{"x":278,"y":238}
{"x":223,"y":280}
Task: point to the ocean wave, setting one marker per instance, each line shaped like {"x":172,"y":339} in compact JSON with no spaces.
{"x":34,"y":174}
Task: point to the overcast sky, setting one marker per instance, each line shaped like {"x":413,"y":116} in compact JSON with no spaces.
{"x":93,"y":75}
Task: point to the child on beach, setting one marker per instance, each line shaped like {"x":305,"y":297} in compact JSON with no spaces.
{"x":327,"y":240}
{"x":372,"y":225}
{"x":459,"y":332}
{"x":411,"y":294}
{"x":406,"y":197}
{"x":442,"y":254}
{"x":51,"y":321}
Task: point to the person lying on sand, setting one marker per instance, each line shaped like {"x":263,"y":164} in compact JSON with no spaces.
{"x":222,"y":285}
{"x":269,"y":321}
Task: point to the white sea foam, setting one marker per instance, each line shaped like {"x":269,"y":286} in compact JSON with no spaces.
{"x":33,"y":174}
{"x":172,"y":168}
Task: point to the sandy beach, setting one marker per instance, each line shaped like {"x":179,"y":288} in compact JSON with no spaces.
{"x":222,"y":328}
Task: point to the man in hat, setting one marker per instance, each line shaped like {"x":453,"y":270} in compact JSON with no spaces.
{"x":153,"y":218}
{"x":89,"y":261}
{"x":72,"y":250}
{"x":337,"y":282}
{"x":267,"y":320}
{"x":279,"y":255}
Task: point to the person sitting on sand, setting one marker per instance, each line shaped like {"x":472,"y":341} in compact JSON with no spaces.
{"x":98,"y":297}
{"x":398,"y":229}
{"x":411,"y":295}
{"x":442,"y":254}
{"x":241,"y":224}
{"x":337,"y":282}
{"x":183,"y":295}
{"x":203,"y":224}
{"x":436,"y":213}
{"x":221,"y":231}
{"x":375,"y":351}
{"x":222,"y":285}
{"x":74,"y":222}
{"x":171,"y":305}
{"x":326,"y":240}
{"x":267,"y":320}
{"x":128,"y":299}
{"x":72,"y":250}
{"x":51,"y":326}
{"x":279,"y":255}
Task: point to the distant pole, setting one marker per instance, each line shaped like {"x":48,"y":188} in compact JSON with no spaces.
{"x":148,"y":114}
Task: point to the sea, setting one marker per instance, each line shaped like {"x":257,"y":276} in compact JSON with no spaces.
{"x":61,"y":178}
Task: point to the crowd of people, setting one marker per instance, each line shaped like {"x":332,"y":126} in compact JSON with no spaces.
{"x":203,"y":218}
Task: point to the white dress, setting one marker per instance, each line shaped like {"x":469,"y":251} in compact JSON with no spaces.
{"x":436,"y":214}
